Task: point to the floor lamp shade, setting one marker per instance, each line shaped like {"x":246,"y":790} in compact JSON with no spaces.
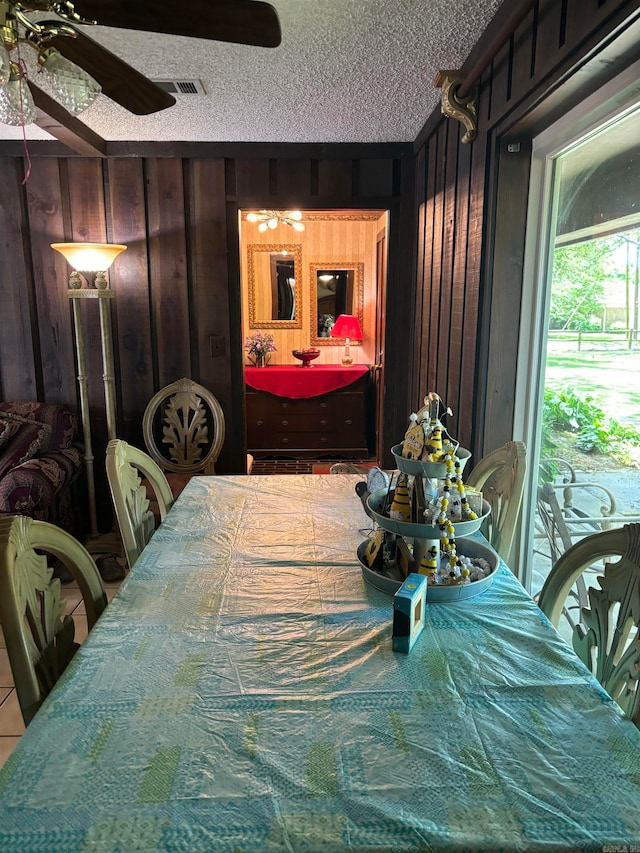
{"x":92,"y":257}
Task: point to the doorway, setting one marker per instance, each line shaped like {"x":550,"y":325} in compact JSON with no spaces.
{"x":339,"y":267}
{"x":576,"y":405}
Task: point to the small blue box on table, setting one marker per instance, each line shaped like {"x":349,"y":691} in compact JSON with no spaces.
{"x":409,"y":605}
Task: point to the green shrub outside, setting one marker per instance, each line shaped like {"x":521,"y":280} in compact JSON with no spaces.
{"x":594,"y":431}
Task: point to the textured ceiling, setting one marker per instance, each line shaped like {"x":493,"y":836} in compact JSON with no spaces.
{"x":346,"y":71}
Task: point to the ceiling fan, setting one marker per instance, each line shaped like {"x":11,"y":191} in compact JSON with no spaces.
{"x":250,"y":22}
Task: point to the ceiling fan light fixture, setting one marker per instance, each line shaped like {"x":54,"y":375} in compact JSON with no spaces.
{"x":73,"y":87}
{"x":270,"y":219}
{"x":16,"y":102}
{"x":5,"y":64}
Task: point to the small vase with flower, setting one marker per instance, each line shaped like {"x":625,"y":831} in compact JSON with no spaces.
{"x":259,"y":347}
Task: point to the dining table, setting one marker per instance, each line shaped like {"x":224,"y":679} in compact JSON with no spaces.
{"x":240,"y":693}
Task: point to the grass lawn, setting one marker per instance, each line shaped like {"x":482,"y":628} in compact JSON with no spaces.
{"x":611,"y":377}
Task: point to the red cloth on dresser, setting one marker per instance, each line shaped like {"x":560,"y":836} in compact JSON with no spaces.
{"x":293,"y":381}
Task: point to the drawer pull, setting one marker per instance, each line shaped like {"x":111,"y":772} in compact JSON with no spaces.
{"x":259,"y":423}
{"x":323,"y":439}
{"x":323,"y":423}
{"x":285,"y":441}
{"x":284,"y":405}
{"x":348,"y":422}
{"x":323,"y":405}
{"x":284,"y":423}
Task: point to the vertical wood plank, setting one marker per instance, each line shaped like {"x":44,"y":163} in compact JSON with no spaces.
{"x":252,"y":179}
{"x":550,"y":24}
{"x":212,"y":293}
{"x":426,"y":380}
{"x":335,"y":178}
{"x":523,"y":57}
{"x":399,"y":304}
{"x":168,"y":269}
{"x":18,"y":349}
{"x":468,"y":427}
{"x":458,"y":289}
{"x":51,"y":276}
{"x":449,"y":226}
{"x":582,"y":18}
{"x":130,"y":280}
{"x":416,"y":365}
{"x":500,"y":82}
{"x":506,"y":294}
{"x":375,"y":178}
{"x":293,"y":180}
{"x":87,"y":215}
{"x":436,"y":255}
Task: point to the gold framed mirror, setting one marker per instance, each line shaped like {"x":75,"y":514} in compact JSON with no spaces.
{"x":335,"y":288}
{"x":275,"y":289}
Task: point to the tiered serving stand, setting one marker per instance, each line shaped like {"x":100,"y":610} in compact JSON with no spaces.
{"x":423,"y":534}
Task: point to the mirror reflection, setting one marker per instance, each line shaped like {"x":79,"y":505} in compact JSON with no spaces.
{"x":274,"y":286}
{"x":336,"y":289}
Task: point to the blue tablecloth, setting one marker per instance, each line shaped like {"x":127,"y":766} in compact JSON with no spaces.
{"x":241,"y":694}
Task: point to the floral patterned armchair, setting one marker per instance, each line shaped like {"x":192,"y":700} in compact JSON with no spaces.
{"x":39,"y":462}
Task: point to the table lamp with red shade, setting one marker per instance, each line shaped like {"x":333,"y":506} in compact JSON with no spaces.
{"x":347,"y":326}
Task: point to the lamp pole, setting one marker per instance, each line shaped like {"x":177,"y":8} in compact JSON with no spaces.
{"x":77,"y":296}
{"x":90,"y":261}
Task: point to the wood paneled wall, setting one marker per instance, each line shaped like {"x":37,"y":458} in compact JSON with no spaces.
{"x":472,"y":204}
{"x":178,"y":283}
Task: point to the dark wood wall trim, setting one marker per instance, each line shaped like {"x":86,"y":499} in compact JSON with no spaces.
{"x":213,"y":150}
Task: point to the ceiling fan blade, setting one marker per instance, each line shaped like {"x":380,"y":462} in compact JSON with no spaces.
{"x":251,"y":22}
{"x":119,"y":80}
{"x":52,"y":117}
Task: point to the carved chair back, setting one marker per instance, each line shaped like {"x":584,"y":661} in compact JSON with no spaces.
{"x":348,"y":468}
{"x":136,"y":521}
{"x":40,"y":638}
{"x":606,"y":638}
{"x":500,"y":476}
{"x":183,"y":428}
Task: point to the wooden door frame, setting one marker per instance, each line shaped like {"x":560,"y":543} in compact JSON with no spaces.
{"x":391,"y":408}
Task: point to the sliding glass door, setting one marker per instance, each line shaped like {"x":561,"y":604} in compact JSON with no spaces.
{"x":578,"y":396}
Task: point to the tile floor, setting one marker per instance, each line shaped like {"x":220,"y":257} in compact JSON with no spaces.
{"x":11,"y":724}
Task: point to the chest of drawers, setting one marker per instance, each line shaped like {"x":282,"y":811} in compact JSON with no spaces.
{"x":332,"y":424}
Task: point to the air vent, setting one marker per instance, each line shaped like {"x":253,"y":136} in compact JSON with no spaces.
{"x":182,"y":87}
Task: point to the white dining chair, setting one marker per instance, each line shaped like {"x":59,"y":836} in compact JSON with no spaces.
{"x":500,"y":476}
{"x":136,"y":520}
{"x":606,"y":635}
{"x":40,"y":638}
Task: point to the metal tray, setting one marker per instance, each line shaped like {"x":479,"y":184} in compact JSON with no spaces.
{"x":376,"y":501}
{"x":427,"y":469}
{"x":435,"y":592}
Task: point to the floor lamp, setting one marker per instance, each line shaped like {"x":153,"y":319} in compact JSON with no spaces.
{"x":90,"y":262}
